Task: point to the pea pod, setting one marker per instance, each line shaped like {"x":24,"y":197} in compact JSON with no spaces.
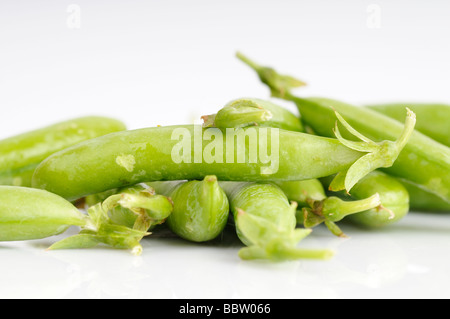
{"x":424,"y":201}
{"x":201,"y":208}
{"x":432,"y":119}
{"x":422,"y":160}
{"x":253,"y":112}
{"x":317,"y":208}
{"x":303,"y":192}
{"x":265,"y":223}
{"x":28,"y":214}
{"x":393,"y":196}
{"x":20,"y":155}
{"x":190,"y":153}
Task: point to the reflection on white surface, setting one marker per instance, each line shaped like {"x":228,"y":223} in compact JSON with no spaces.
{"x":405,"y":261}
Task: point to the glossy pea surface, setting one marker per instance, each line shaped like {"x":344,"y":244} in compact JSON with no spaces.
{"x":201,"y":208}
{"x":27,"y":214}
{"x":263,"y":200}
{"x":393,"y":195}
{"x":132,"y":157}
{"x":423,"y":161}
{"x":20,"y":155}
{"x":433,"y":119}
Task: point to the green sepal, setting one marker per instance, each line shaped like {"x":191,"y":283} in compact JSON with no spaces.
{"x":269,"y":242}
{"x":380,"y":154}
{"x":76,"y":242}
{"x":280,"y":85}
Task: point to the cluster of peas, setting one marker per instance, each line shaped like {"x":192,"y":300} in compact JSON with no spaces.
{"x":129,"y":185}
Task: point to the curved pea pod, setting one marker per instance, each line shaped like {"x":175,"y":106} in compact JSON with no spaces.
{"x":20,"y":155}
{"x":27,"y":214}
{"x":246,"y":112}
{"x":432,"y":119}
{"x":420,"y":160}
{"x":190,"y":153}
{"x":422,"y":200}
{"x":265,"y":222}
{"x":393,"y":196}
{"x":201,"y":208}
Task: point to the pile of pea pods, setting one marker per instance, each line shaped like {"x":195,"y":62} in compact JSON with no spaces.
{"x":331,"y":163}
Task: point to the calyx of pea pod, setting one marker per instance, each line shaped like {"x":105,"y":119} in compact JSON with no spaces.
{"x":379,"y":154}
{"x":148,"y":209}
{"x":334,"y":209}
{"x":269,"y":242}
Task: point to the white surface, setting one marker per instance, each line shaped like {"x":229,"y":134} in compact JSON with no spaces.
{"x":409,"y":260}
{"x":168,"y":62}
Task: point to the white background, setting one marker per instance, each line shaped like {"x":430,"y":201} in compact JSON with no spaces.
{"x":169,"y":62}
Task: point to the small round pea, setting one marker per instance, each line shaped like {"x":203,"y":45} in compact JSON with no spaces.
{"x":27,"y":214}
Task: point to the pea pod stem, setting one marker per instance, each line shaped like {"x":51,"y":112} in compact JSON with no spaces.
{"x":332,"y":210}
{"x":422,"y":161}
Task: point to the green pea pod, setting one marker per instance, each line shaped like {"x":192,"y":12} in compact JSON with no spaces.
{"x":266,"y":224}
{"x":317,"y":208}
{"x":303,"y":192}
{"x":27,"y":214}
{"x":20,"y":155}
{"x":393,"y":196}
{"x":253,"y":112}
{"x":421,"y":160}
{"x":190,"y":153}
{"x":201,"y":208}
{"x":432,"y":119}
{"x":193,"y":152}
{"x":423,"y":200}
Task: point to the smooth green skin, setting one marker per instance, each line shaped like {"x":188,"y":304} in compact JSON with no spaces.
{"x":201,"y":209}
{"x":317,"y":208}
{"x":303,"y":191}
{"x":265,"y":222}
{"x":433,"y":120}
{"x":263,"y":200}
{"x":424,"y":201}
{"x":97,"y":165}
{"x":393,"y":195}
{"x":423,"y":161}
{"x":27,"y":214}
{"x":20,"y":155}
{"x":251,"y":112}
